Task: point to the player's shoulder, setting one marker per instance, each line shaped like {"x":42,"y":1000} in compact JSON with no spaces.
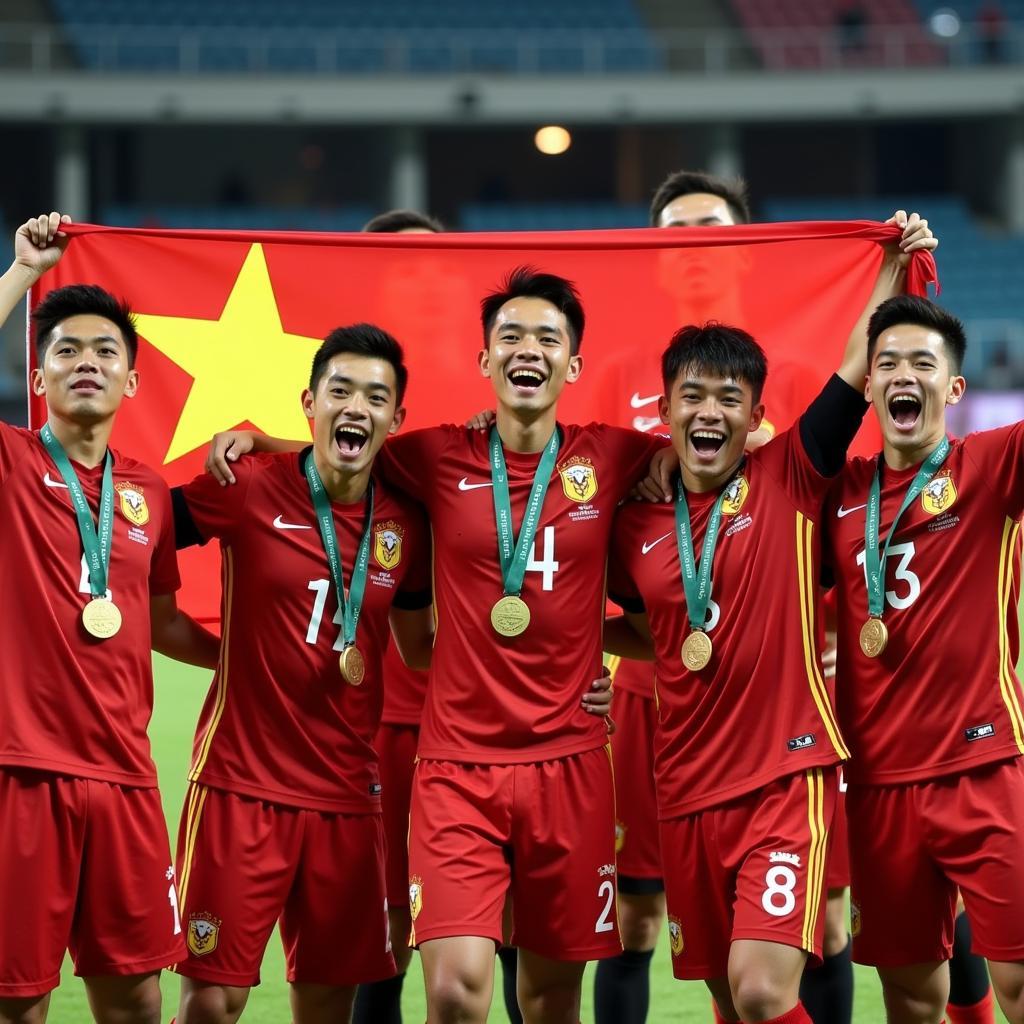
{"x":1001,"y":441}
{"x":14,"y":437}
{"x":132,"y":470}
{"x":856,"y":470}
{"x":392,"y":503}
{"x":633,"y":518}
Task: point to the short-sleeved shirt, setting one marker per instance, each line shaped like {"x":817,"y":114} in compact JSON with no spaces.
{"x":762,"y":708}
{"x":70,"y":703}
{"x":508,"y":700}
{"x":280,"y":723}
{"x":405,"y":690}
{"x":943,"y":696}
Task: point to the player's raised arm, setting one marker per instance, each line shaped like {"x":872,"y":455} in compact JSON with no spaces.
{"x":38,"y":246}
{"x":917,"y":236}
{"x":179,"y":636}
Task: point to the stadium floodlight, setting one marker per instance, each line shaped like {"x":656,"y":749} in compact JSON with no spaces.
{"x":944,"y":23}
{"x":552,"y":140}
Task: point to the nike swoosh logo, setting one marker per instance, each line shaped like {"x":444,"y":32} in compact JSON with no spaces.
{"x":841,"y":512}
{"x":465,"y":485}
{"x":50,"y":482}
{"x":636,"y":402}
{"x":282,"y":525}
{"x":647,"y":546}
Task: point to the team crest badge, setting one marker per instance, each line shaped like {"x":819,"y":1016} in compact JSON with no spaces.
{"x":735,"y":495}
{"x":203,"y":932}
{"x":620,"y":836}
{"x":579,"y":479}
{"x":675,"y":935}
{"x":939,"y":495}
{"x":387,"y":544}
{"x":415,"y":896}
{"x":854,"y":919}
{"x":133,"y":503}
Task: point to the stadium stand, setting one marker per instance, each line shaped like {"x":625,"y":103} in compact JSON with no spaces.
{"x":251,"y":218}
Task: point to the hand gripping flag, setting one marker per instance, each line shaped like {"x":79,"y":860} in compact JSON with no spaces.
{"x":229,"y":321}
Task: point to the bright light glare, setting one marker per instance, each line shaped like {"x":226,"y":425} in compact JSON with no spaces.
{"x":945,"y":23}
{"x":552,"y":140}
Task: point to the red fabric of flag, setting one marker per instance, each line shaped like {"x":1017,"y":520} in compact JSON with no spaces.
{"x":229,"y":321}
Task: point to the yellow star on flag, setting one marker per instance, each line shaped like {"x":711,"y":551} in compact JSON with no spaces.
{"x":244,"y":366}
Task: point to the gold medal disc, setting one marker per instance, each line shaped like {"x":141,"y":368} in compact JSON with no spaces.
{"x":697,"y":650}
{"x":510,"y":616}
{"x":101,"y":618}
{"x":353,"y":665}
{"x":874,"y":635}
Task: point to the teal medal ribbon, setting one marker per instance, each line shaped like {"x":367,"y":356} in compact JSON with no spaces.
{"x":100,"y":616}
{"x":353,"y":666}
{"x":510,"y":615}
{"x":696,"y":652}
{"x":874,"y":635}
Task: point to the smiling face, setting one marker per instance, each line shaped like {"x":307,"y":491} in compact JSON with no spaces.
{"x":529,"y":355}
{"x":84,"y":371}
{"x":709,"y":418}
{"x":353,"y":411}
{"x":910,"y":382}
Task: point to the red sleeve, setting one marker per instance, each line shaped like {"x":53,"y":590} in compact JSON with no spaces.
{"x":406,"y":461}
{"x":621,"y":588}
{"x":999,"y":455}
{"x":163,"y":570}
{"x":14,"y":443}
{"x":215,"y":510}
{"x":786,"y":459}
{"x":416,"y":588}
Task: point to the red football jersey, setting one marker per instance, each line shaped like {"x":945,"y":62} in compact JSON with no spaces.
{"x":70,"y":703}
{"x":500,"y":700}
{"x":635,"y":677}
{"x":944,"y":695}
{"x":761,"y":709}
{"x":280,"y":723}
{"x":405,"y":690}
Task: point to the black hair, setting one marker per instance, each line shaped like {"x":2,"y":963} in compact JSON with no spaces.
{"x":402,"y":220}
{"x":83,"y":300}
{"x":361,"y":340}
{"x":531,"y":283}
{"x":912,"y":309}
{"x":718,"y":350}
{"x":684,"y":183}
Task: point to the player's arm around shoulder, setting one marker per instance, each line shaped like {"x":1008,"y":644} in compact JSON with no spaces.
{"x":38,"y":246}
{"x":227,"y":447}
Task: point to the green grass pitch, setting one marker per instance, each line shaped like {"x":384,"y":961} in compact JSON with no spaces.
{"x":179,"y":695}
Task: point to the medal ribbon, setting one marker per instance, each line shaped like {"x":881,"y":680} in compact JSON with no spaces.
{"x":697,"y":579}
{"x":874,"y":563}
{"x":513,"y":552}
{"x":96,"y":541}
{"x":350,"y":605}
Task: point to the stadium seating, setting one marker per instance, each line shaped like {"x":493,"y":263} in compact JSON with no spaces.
{"x":349,"y":36}
{"x":249,"y":218}
{"x":550,"y":216}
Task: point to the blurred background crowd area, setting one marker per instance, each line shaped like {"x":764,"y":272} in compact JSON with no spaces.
{"x":529,"y":115}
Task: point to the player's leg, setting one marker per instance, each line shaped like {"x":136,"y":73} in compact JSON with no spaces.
{"x":902,"y":905}
{"x":827,"y":991}
{"x":509,"y":957}
{"x":237,"y":857}
{"x":970,"y":991}
{"x":459,"y":827}
{"x":563,"y":879}
{"x":125,"y":1000}
{"x":622,"y":983}
{"x":334,"y":925}
{"x":43,"y":824}
{"x":549,"y":990}
{"x":127,"y":924}
{"x":764,"y":978}
{"x":381,"y":1001}
{"x":1008,"y":982}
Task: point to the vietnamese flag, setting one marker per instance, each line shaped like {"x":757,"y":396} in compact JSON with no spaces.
{"x":229,"y":321}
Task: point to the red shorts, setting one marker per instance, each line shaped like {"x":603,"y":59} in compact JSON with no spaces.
{"x":837,"y":871}
{"x":396,"y":749}
{"x":543,"y":832}
{"x":85,"y":866}
{"x":245,"y":864}
{"x":752,"y":868}
{"x":636,"y":808}
{"x":916,"y":844}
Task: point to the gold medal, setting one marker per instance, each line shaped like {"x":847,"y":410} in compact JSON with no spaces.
{"x":510,"y":615}
{"x":873,"y":637}
{"x":353,"y":665}
{"x":101,"y":618}
{"x":697,"y":650}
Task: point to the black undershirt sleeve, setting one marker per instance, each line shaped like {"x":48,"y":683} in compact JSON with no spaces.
{"x":412,"y":600}
{"x":633,"y":605}
{"x":830,"y":424}
{"x":186,"y":533}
